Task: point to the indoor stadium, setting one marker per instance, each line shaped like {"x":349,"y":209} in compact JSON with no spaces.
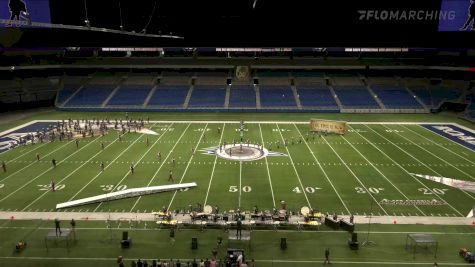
{"x":237,"y":133}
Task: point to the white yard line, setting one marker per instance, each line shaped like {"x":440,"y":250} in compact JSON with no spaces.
{"x":293,"y":165}
{"x":382,"y":174}
{"x":446,"y":162}
{"x":439,"y":145}
{"x":214,"y":166}
{"x":39,"y":175}
{"x":69,"y":175}
{"x":425,"y":165}
{"x":267,"y":166}
{"x":33,"y":162}
{"x":161,"y":165}
{"x":240,"y":184}
{"x":408,"y":173}
{"x":105,"y":168}
{"x":354,"y":175}
{"x":321,"y":168}
{"x":188,"y":165}
{"x":140,"y":159}
{"x":34,"y":149}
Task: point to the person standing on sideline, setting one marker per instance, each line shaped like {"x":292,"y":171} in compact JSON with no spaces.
{"x":132,"y":168}
{"x":239,"y":228}
{"x":58,"y":227}
{"x":53,"y":161}
{"x":327,"y":256}
{"x":4,"y":167}
{"x":53,"y":188}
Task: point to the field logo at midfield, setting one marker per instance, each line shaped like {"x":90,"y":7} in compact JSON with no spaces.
{"x":240,"y":152}
{"x":454,"y":133}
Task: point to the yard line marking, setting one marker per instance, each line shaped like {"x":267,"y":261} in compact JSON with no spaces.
{"x":188,"y":165}
{"x":34,"y":162}
{"x":67,"y":176}
{"x":24,"y":154}
{"x":39,"y":175}
{"x":397,"y":164}
{"x":293,"y":165}
{"x":138,"y":161}
{"x":240,"y":184}
{"x":267,"y":166}
{"x":354,"y":175}
{"x":161,"y":165}
{"x":105,"y":168}
{"x":379,"y":171}
{"x":321,"y":168}
{"x":465,"y":192}
{"x":214,"y":165}
{"x":438,"y":144}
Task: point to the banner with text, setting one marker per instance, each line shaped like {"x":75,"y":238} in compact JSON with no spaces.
{"x":318,"y":125}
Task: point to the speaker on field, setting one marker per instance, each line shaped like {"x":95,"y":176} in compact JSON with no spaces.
{"x":194,"y":243}
{"x":283,"y":243}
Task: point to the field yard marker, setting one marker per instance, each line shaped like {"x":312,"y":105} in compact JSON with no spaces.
{"x":4,"y":179}
{"x":380,"y":172}
{"x":466,"y":193}
{"x":356,"y":177}
{"x":138,"y":161}
{"x":321,"y":168}
{"x":39,"y":175}
{"x":397,"y":164}
{"x":188,"y":165}
{"x":214,"y":165}
{"x":67,"y":176}
{"x":293,"y":165}
{"x":105,"y":168}
{"x":161,"y":165}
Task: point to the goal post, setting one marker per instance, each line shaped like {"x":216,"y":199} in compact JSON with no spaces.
{"x":328,"y":126}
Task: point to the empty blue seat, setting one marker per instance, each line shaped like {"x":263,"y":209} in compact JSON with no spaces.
{"x":277,"y":96}
{"x":355,"y":97}
{"x":316,"y":96}
{"x":395,"y":97}
{"x":65,"y":93}
{"x":132,"y":95}
{"x":169,"y":96}
{"x":91,"y":95}
{"x":207,"y":96}
{"x":242,"y":96}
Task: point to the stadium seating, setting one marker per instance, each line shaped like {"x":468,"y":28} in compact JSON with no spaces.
{"x":395,"y":97}
{"x":130,"y":95}
{"x":318,"y":96}
{"x":277,"y":96}
{"x":208,"y":96}
{"x":434,"y":96}
{"x":242,"y":96}
{"x":355,"y":97}
{"x":91,"y":95}
{"x":169,"y":96}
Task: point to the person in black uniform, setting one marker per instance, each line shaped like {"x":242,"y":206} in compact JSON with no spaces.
{"x":53,"y":161}
{"x":239,"y":228}
{"x":58,"y":227}
{"x":471,"y":16}
{"x":17,"y":8}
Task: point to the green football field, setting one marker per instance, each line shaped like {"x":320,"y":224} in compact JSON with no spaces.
{"x":351,"y":174}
